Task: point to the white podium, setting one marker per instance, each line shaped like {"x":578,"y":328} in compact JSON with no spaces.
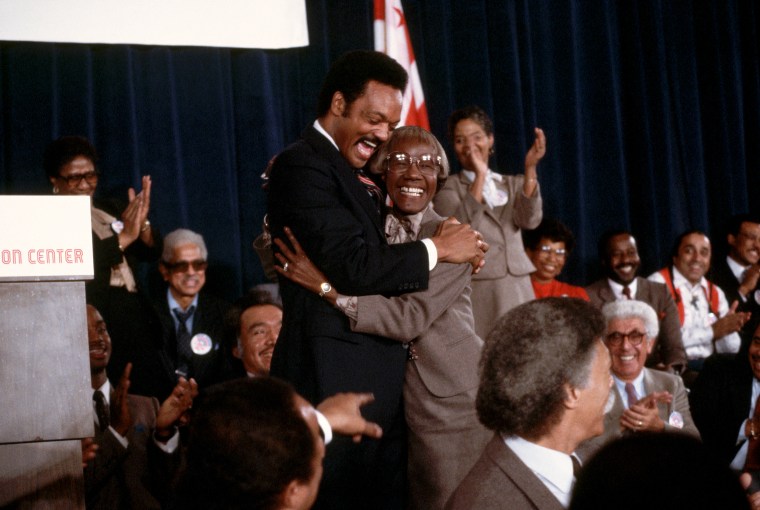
{"x":45,"y":395}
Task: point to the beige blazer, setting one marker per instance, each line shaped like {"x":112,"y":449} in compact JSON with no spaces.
{"x":438,"y":319}
{"x":504,"y":281}
{"x":654,"y":380}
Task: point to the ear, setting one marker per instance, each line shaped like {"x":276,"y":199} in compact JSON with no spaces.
{"x":650,"y":345}
{"x":164,"y":271}
{"x":52,"y":180}
{"x":490,"y":141}
{"x":338,"y":104}
{"x":572,"y":396}
{"x":731,"y":240}
{"x":294,"y":495}
{"x":236,"y":352}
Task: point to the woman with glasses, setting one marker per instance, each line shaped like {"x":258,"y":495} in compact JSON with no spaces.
{"x":548,"y":247}
{"x":496,"y":205}
{"x":435,"y":325}
{"x":122,"y":236}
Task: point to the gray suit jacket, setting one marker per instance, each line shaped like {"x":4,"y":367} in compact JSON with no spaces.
{"x":438,"y":319}
{"x":504,"y":281}
{"x":668,"y":348}
{"x":500,"y":480}
{"x":654,"y":380}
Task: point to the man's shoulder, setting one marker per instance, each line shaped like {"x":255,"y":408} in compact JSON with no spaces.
{"x":599,"y":292}
{"x":651,"y":292}
{"x":662,"y":380}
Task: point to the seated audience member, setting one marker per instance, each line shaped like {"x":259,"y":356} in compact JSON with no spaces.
{"x":619,"y":256}
{"x":134,"y":437}
{"x":548,"y":247}
{"x":257,"y":320}
{"x":193,"y":321}
{"x":641,"y":399}
{"x":707,"y":323}
{"x":738,"y":274}
{"x":658,"y":472}
{"x":256,"y":443}
{"x":724,"y":405}
{"x":122,"y":239}
{"x":437,"y":325}
{"x":545,"y":379}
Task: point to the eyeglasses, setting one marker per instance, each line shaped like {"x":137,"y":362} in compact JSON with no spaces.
{"x":182,"y":267}
{"x":75,"y":180}
{"x":400,"y":162}
{"x":560,"y":252}
{"x":634,"y":338}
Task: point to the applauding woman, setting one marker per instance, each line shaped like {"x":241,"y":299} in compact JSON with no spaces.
{"x":498,"y":206}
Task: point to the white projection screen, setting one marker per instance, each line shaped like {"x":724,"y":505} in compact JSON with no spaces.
{"x":266,"y":24}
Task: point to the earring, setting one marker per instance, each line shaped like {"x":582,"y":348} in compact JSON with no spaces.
{"x":491,"y":151}
{"x":55,"y":190}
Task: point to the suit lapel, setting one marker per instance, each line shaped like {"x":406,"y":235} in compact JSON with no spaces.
{"x":487,"y":209}
{"x":345,"y":175}
{"x":430,"y":222}
{"x":521,"y":475}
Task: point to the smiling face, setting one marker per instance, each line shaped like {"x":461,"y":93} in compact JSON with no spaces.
{"x":78,"y":177}
{"x":185,"y":283}
{"x":470,"y":136}
{"x":622,"y":259}
{"x":259,"y":327}
{"x":745,"y":247}
{"x":549,"y":258}
{"x":627,"y":359}
{"x":98,"y":340}
{"x":693,"y":259}
{"x":412,"y":190}
{"x":360,"y":127}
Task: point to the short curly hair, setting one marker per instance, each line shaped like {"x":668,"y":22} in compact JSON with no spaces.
{"x":552,"y":229}
{"x":414,"y":134}
{"x":351,"y":72}
{"x":531,"y":354}
{"x":64,"y":150}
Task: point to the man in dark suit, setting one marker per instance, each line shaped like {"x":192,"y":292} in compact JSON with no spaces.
{"x":738,"y":274}
{"x":619,"y":256}
{"x":723,"y":403}
{"x":554,"y":348}
{"x":317,"y":190}
{"x":134,"y":437}
{"x":192,"y":321}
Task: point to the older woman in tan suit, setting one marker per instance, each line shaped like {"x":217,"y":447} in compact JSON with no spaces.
{"x":498,"y":206}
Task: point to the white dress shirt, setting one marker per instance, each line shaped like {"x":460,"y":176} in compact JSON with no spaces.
{"x":492,"y":195}
{"x":552,"y":467}
{"x":696,"y":330}
{"x":617,"y":289}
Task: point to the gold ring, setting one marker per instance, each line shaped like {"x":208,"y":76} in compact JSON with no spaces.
{"x":285,"y":267}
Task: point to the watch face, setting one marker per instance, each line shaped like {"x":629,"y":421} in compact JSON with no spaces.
{"x":325,"y":287}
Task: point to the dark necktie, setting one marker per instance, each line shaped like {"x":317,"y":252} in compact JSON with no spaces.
{"x":101,"y":410}
{"x":373,"y":189}
{"x":627,"y":292}
{"x":184,"y":351}
{"x":576,"y":466}
{"x":752,"y":462}
{"x":630,"y":392}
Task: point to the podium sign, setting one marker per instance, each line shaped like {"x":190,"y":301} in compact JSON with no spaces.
{"x":46,"y":402}
{"x":45,"y":238}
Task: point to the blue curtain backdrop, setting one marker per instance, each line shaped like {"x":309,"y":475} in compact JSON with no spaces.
{"x":651,"y":109}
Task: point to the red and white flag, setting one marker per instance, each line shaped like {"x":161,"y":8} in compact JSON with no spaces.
{"x":392,"y":38}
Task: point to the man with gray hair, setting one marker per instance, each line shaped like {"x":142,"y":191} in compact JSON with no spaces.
{"x":545,"y":379}
{"x":193,"y":322}
{"x":642,"y":399}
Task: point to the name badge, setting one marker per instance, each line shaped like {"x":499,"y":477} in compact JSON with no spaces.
{"x":675,"y":420}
